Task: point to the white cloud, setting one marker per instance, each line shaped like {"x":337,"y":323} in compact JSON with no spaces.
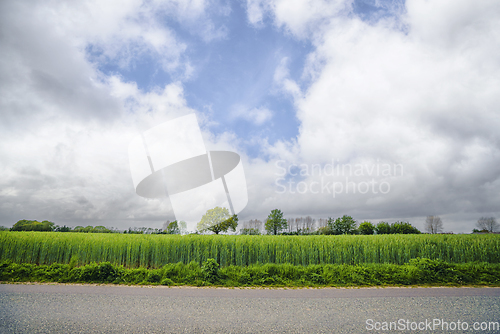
{"x":117,"y":31}
{"x":426,"y":98}
{"x":258,"y":116}
{"x":284,"y":82}
{"x":66,"y":126}
{"x":197,"y":15}
{"x":300,"y":18}
{"x":255,"y":12}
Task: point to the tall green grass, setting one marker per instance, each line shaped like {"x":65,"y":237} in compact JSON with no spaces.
{"x":155,"y":251}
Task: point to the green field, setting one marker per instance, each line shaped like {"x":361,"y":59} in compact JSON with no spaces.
{"x":154,"y":251}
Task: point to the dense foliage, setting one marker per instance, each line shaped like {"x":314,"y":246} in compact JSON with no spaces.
{"x":396,"y":228}
{"x":366,"y":228}
{"x":33,"y":225}
{"x":344,"y":225}
{"x":47,"y":226}
{"x":156,"y":250}
{"x":416,"y":271}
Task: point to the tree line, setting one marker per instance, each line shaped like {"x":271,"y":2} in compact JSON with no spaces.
{"x":218,"y":220}
{"x":276,"y":224}
{"x":48,"y":226}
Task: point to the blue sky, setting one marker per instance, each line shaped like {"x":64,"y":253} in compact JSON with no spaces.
{"x":291,"y":83}
{"x":235,"y":70}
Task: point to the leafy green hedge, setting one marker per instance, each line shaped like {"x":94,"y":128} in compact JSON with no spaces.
{"x":416,"y":272}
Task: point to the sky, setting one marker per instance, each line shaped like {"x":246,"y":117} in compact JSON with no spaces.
{"x":382,"y":110}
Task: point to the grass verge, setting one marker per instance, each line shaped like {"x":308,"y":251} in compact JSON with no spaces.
{"x":418,"y":271}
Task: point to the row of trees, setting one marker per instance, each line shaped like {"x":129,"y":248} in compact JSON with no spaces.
{"x":308,"y":225}
{"x":275,"y":224}
{"x":219,"y":220}
{"x":347,"y":225}
{"x":48,"y":226}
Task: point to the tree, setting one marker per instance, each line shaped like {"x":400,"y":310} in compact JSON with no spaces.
{"x":275,"y":222}
{"x":404,"y":228}
{"x":33,"y":225}
{"x":433,"y":224}
{"x":251,"y":227}
{"x":62,"y":228}
{"x":231,"y":223}
{"x":175,"y":227}
{"x":218,"y":220}
{"x":172,"y":228}
{"x":87,"y":229}
{"x":325,"y":230}
{"x":487,"y":223}
{"x":100,"y":229}
{"x":344,"y":225}
{"x":366,"y":228}
{"x":383,"y":228}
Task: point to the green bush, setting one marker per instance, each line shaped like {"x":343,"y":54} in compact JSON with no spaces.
{"x":154,"y":276}
{"x":167,"y":281}
{"x":210,"y":269}
{"x":417,"y":271}
{"x":366,"y":228}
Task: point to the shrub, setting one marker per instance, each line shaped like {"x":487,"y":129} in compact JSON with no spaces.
{"x":167,"y":281}
{"x":153,"y":277}
{"x":366,"y":228}
{"x":417,"y":271}
{"x":403,"y":228}
{"x":383,"y":228}
{"x":210,"y":269}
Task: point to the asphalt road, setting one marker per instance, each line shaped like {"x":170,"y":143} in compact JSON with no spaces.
{"x":123,"y":309}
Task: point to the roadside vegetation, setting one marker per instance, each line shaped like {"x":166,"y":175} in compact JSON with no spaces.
{"x":416,"y":272}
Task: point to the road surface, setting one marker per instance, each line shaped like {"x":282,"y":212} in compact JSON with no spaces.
{"x":46,"y":308}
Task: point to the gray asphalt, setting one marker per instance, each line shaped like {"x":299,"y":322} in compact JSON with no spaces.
{"x":122,"y":309}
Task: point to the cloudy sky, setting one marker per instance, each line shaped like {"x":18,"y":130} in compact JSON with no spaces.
{"x":383,"y":110}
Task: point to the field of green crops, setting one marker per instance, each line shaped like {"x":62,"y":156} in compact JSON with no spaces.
{"x":154,"y":251}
